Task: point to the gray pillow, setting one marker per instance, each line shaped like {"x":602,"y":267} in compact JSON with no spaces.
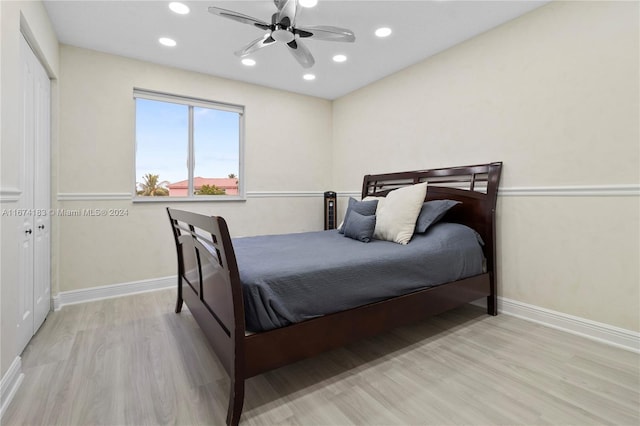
{"x":360,"y":227}
{"x":365,"y":208}
{"x":431,"y":212}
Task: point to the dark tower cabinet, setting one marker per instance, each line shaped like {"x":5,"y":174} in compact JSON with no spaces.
{"x":330,"y":204}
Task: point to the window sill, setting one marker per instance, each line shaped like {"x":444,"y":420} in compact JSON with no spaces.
{"x":215,"y":198}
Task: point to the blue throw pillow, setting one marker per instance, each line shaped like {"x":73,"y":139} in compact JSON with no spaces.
{"x":360,"y":227}
{"x":365,"y":208}
{"x":431,"y":212}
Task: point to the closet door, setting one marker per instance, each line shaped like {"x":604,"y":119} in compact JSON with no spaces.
{"x":34,"y":285}
{"x":41,"y":196}
{"x":25,"y":286}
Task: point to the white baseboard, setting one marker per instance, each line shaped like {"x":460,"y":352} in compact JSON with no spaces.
{"x":10,"y":383}
{"x":114,"y":290}
{"x":604,"y":333}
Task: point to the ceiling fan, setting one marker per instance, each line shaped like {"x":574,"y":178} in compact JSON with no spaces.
{"x":282,"y":29}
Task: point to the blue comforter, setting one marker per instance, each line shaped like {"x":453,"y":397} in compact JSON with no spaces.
{"x":294,"y":277}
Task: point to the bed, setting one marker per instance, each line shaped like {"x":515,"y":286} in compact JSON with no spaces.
{"x":209,"y":279}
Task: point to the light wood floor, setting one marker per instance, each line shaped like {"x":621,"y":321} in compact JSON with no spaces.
{"x":132,"y":361}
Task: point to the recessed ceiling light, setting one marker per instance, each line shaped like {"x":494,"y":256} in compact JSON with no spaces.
{"x":179,"y":8}
{"x":339,"y":58}
{"x":167,"y":41}
{"x":308,"y":3}
{"x":309,"y":77}
{"x":248,"y":62}
{"x":383,"y":32}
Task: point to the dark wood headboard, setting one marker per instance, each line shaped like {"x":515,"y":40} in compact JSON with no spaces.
{"x":475,"y":186}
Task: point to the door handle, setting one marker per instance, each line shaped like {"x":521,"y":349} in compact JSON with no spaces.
{"x":28,"y":231}
{"x":40,"y":226}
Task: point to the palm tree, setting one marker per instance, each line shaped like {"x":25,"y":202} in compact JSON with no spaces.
{"x":151,"y":187}
{"x":232,"y":175}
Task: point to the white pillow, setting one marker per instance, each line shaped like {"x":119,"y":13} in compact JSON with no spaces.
{"x":397,"y":213}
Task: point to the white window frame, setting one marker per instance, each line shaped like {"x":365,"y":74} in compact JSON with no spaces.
{"x":191,"y":103}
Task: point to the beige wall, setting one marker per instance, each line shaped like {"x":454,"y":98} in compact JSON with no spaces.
{"x":555,"y":96}
{"x":287,"y":148}
{"x":30,"y":18}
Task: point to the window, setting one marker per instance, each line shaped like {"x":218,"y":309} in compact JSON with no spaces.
{"x":187,"y":148}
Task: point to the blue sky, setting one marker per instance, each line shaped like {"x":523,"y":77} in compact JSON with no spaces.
{"x":162,"y":140}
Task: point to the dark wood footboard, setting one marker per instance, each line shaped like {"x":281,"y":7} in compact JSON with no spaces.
{"x":208,"y":281}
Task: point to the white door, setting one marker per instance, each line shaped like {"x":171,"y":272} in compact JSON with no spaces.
{"x":42,"y":197}
{"x":34,"y":286}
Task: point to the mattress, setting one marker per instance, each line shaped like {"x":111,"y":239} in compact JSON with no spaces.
{"x":291,"y":278}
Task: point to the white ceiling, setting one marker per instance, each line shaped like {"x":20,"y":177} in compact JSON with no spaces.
{"x":205,"y":42}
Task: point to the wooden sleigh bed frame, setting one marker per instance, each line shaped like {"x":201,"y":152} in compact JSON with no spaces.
{"x":208,"y":281}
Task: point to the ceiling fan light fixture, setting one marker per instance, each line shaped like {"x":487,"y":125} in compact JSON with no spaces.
{"x":282,"y":35}
{"x":179,"y":8}
{"x":248,"y":62}
{"x":383,"y":32}
{"x":308,"y":3}
{"x":166,"y":41}
{"x":339,"y":58}
{"x":309,"y":77}
{"x":283,"y":30}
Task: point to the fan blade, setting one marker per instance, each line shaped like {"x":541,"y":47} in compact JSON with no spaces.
{"x":301,"y":53}
{"x":328,"y":33}
{"x":287,"y":10}
{"x":255,"y":45}
{"x":239,"y":17}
